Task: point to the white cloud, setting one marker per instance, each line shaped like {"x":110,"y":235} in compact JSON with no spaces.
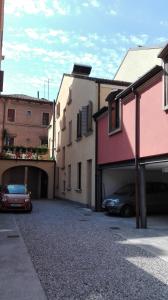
{"x":112,"y":12}
{"x":93,"y":3}
{"x":33,"y":7}
{"x":164,"y":23}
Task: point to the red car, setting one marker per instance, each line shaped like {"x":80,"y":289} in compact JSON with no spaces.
{"x":15,"y":197}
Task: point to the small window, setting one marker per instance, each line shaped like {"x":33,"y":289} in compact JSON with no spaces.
{"x":87,"y":119}
{"x":79,"y":125}
{"x":11,"y":115}
{"x":64,"y":186}
{"x":114,"y":115}
{"x":64,"y":119}
{"x":63,"y":157}
{"x":45,"y":120}
{"x":79,"y":178}
{"x":58,"y":110}
{"x":10,"y":140}
{"x":69,"y":96}
{"x":69,"y":177}
{"x":28,"y":113}
{"x":70,"y":133}
{"x":57,"y":177}
{"x":44,"y":141}
{"x":58,"y":141}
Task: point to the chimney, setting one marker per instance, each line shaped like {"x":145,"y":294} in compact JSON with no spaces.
{"x":83,"y":70}
{"x":38,"y":94}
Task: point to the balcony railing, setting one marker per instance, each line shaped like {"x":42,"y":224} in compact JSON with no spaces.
{"x":11,"y":152}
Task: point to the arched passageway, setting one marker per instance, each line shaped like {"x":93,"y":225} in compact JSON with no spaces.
{"x":35,"y":178}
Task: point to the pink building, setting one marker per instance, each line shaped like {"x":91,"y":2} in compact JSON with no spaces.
{"x":132,"y":139}
{"x":24,"y":121}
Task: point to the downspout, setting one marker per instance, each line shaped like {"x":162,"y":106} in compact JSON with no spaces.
{"x":97,"y":204}
{"x":3,"y":124}
{"x":54,"y":177}
{"x":137,"y":179}
{"x":53,"y":145}
{"x":53,"y":137}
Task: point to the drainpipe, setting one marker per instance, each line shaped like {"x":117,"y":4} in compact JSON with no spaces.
{"x":53,"y":137}
{"x":54,"y":177}
{"x":97,"y":173}
{"x":137,"y":180}
{"x":3,"y":123}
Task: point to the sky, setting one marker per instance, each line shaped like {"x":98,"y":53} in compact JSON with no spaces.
{"x":44,"y":38}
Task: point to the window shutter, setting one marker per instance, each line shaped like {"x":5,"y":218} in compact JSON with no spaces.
{"x":84,"y":120}
{"x":90,"y":112}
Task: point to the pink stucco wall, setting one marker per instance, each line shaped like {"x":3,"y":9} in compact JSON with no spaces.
{"x":120,"y":146}
{"x":153,"y":121}
{"x":153,"y":127}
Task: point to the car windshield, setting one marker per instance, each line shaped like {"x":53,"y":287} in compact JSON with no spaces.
{"x":15,"y":189}
{"x":126,"y":190}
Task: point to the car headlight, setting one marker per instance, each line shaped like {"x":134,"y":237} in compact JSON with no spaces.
{"x":27,"y":199}
{"x":4,"y":198}
{"x":115,"y":201}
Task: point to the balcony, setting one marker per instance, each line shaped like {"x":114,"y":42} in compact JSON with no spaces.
{"x":20,"y":152}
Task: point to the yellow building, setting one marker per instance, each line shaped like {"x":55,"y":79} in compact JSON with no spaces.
{"x":79,"y":97}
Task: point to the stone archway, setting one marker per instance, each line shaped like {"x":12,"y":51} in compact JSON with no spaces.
{"x":35,"y":178}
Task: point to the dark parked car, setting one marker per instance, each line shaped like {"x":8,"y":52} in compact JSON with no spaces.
{"x":123,"y":200}
{"x":15,"y":197}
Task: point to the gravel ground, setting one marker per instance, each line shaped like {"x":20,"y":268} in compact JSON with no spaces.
{"x":77,"y":256}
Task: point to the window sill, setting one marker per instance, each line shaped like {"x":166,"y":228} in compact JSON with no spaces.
{"x":78,"y":190}
{"x":88,"y":133}
{"x":78,"y":139}
{"x":165,"y":107}
{"x":114,"y":131}
{"x":69,"y":102}
{"x":70,"y":144}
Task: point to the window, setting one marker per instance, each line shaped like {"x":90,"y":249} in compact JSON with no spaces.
{"x":45,"y":120}
{"x":58,"y":110}
{"x":69,"y":177}
{"x":44,"y":141}
{"x":87,"y":119}
{"x":69,"y":96}
{"x":58,"y":141}
{"x":28,"y":113}
{"x":114,"y":115}
{"x":57,"y":177}
{"x":64,"y":119}
{"x":70,"y":133}
{"x":64,"y":186}
{"x":11,"y":115}
{"x":63,"y":157}
{"x":10,"y":140}
{"x":79,"y":173}
{"x":79,"y":125}
{"x":166,"y":84}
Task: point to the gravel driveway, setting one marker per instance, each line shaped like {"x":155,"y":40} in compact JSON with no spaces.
{"x":78,"y":255}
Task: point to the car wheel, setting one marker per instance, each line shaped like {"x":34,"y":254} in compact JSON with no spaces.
{"x":126,"y":211}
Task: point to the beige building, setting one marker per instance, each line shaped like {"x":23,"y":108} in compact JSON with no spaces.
{"x":79,"y":97}
{"x":24,"y":121}
{"x":137,"y":62}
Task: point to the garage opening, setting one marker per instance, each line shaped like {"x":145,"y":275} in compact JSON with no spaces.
{"x":35,"y":178}
{"x":156,"y":191}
